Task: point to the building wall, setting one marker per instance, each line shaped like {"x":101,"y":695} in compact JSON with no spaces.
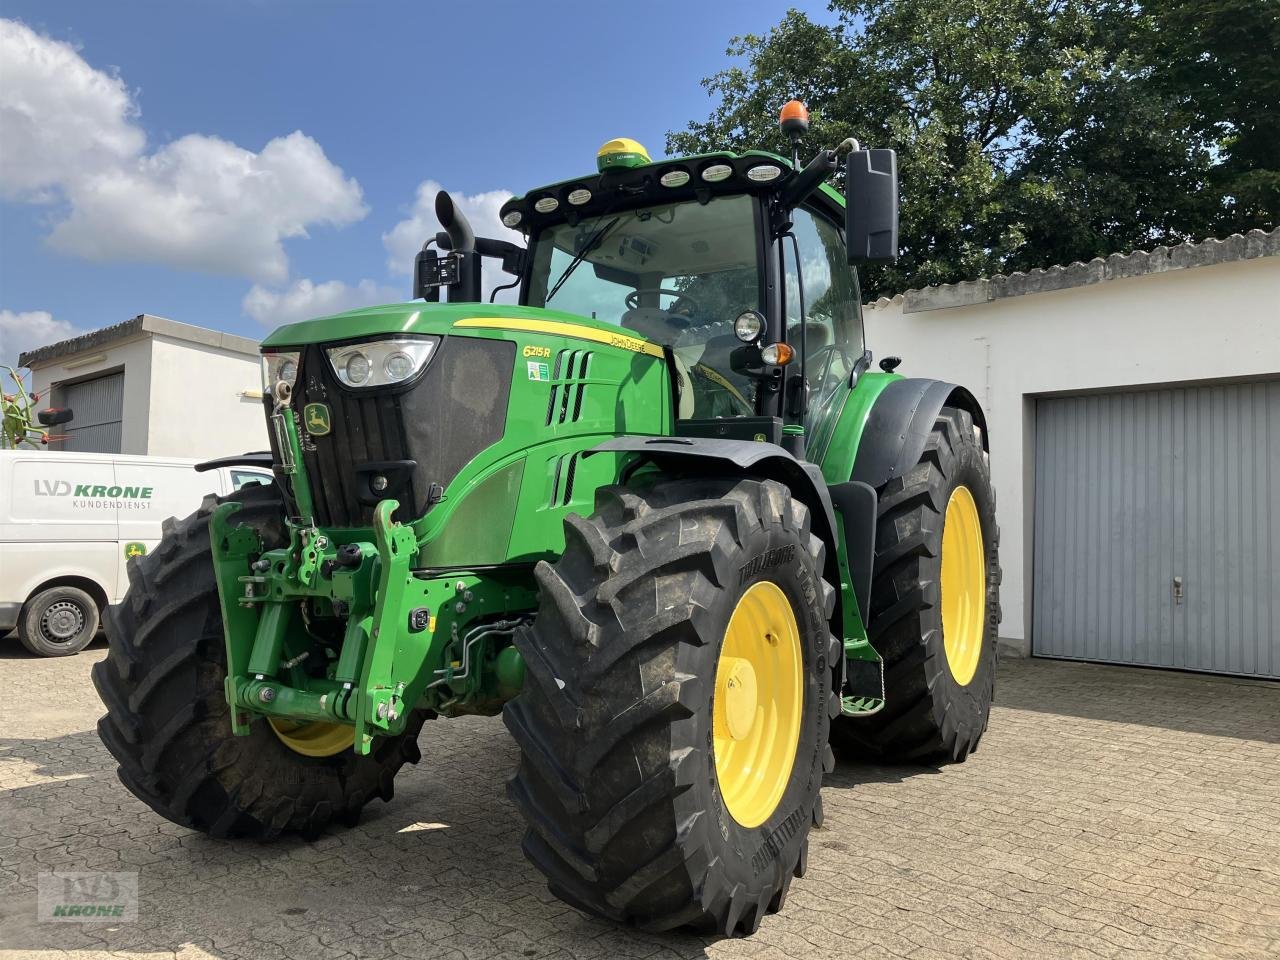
{"x":199,"y":405}
{"x":131,"y":356}
{"x":1185,"y":325}
{"x":182,"y":397}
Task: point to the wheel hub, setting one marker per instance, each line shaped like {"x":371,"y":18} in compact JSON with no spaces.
{"x":758,"y":703}
{"x":738,"y":688}
{"x":62,"y":621}
{"x":313,"y":738}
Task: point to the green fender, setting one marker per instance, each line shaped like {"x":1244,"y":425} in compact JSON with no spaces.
{"x":878,"y":434}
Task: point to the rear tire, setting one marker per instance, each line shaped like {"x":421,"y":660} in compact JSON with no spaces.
{"x":938,"y":688}
{"x":628,"y":810}
{"x":58,"y":622}
{"x":168,"y":723}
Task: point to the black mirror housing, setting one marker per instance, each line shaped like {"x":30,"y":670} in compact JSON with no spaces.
{"x":55,"y":416}
{"x":871,"y":206}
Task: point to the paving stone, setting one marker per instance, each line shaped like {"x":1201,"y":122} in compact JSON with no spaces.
{"x":1109,"y":813}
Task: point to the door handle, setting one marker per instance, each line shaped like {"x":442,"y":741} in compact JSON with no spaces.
{"x":1177,"y":590}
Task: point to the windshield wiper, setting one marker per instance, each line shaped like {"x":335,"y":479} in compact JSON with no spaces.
{"x":592,"y":242}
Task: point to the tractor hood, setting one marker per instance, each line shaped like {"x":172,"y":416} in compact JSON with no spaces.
{"x":501,"y":383}
{"x":451,"y":318}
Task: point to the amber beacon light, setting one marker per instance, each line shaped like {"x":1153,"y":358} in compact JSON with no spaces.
{"x":793,"y":118}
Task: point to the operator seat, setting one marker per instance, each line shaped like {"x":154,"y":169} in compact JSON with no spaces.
{"x":818,"y":335}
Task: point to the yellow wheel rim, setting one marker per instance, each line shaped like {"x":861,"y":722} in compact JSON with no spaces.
{"x":964,"y":586}
{"x":757,"y":704}
{"x":313,"y":738}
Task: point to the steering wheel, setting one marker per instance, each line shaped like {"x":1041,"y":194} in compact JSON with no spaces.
{"x":633,"y":298}
{"x":819,"y":362}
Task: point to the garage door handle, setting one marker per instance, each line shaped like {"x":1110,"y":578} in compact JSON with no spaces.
{"x":1177,"y":589}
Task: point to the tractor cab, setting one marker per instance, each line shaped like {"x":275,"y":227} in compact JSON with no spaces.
{"x":736,"y":265}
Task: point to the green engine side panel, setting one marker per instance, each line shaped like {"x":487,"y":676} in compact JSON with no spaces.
{"x":567,"y":395}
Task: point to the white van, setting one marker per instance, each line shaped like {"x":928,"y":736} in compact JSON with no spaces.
{"x":69,"y":523}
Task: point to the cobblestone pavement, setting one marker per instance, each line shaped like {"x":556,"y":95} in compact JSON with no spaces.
{"x":1110,"y":813}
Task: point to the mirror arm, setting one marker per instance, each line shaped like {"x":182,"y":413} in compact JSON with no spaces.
{"x":817,"y":172}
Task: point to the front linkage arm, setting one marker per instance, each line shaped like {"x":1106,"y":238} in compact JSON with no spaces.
{"x":260,"y":603}
{"x":409,"y":640}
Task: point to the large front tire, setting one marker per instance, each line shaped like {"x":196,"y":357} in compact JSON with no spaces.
{"x":673,"y":726}
{"x":935,"y":605}
{"x":168,"y":723}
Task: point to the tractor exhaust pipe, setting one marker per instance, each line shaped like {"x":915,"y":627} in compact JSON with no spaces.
{"x":461,"y":242}
{"x":462,"y":238}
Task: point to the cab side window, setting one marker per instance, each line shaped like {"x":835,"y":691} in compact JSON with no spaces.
{"x":832,"y":311}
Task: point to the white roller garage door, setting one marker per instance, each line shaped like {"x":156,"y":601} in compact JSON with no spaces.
{"x":98,"y":405}
{"x":1157,"y":528}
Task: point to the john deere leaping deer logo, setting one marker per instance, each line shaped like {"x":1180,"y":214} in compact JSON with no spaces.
{"x":316,"y":418}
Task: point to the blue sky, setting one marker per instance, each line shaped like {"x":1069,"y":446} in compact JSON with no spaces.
{"x":159,"y":173}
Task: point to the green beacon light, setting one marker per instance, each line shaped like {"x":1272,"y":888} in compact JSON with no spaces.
{"x":621,"y":152}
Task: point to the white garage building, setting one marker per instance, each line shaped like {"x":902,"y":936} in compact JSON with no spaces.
{"x":1134,"y":412}
{"x":156,"y":387}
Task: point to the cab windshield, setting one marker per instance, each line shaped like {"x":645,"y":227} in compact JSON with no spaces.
{"x":677,"y":274}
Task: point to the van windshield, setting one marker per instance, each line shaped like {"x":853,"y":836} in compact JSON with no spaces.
{"x":677,"y":274}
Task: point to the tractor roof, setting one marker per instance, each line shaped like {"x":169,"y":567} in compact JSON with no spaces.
{"x":668,"y":180}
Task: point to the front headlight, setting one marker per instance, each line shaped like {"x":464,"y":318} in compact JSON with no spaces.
{"x":380,"y":363}
{"x":277,"y":368}
{"x":749,"y":326}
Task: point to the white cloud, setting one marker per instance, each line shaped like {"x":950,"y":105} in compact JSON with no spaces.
{"x":304,"y":300}
{"x":199,"y":202}
{"x":58,"y":116}
{"x":405,"y":239}
{"x":206,"y":204}
{"x":27,"y":330}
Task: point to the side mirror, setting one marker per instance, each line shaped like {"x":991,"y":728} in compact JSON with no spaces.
{"x":55,"y":416}
{"x":871,"y":206}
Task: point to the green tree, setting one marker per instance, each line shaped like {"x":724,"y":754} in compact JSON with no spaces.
{"x":1217,"y":59}
{"x":1029,"y":132}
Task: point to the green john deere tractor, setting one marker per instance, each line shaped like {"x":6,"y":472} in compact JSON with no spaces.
{"x":661,"y":514}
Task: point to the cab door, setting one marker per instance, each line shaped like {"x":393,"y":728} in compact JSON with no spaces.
{"x":826,"y":323}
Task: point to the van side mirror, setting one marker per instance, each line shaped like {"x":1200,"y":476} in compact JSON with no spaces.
{"x":871,"y":206}
{"x":55,"y":416}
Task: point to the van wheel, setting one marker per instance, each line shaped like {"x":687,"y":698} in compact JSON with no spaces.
{"x":58,"y":622}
